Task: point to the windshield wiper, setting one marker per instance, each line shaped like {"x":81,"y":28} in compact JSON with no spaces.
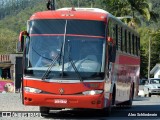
{"x":73,"y":65}
{"x":75,"y":69}
{"x":50,"y":67}
{"x":52,"y":64}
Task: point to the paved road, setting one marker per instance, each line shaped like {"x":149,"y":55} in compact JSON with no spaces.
{"x":141,"y":107}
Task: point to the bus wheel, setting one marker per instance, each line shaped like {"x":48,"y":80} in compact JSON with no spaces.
{"x":149,"y":94}
{"x":44,"y":111}
{"x":128,"y":104}
{"x":107,"y":111}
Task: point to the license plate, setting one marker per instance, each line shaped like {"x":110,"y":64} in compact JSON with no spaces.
{"x":64,"y":101}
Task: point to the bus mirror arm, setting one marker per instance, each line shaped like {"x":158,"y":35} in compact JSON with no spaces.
{"x":108,"y":72}
{"x":20,"y":44}
{"x":110,"y":66}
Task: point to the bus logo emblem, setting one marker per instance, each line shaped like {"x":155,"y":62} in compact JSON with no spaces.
{"x":61,"y":90}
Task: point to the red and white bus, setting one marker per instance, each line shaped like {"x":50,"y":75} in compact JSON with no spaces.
{"x":97,"y":60}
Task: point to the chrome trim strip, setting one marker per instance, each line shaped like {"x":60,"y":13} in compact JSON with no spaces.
{"x":62,"y":81}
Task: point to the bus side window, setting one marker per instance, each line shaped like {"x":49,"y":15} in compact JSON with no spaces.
{"x":126,"y":41}
{"x":138,"y":45}
{"x":119,"y":38}
{"x":133,"y":45}
{"x":111,"y":46}
{"x":111,"y":29}
{"x":129,"y":42}
{"x":116,"y":35}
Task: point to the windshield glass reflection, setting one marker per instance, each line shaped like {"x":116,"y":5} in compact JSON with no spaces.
{"x":86,"y":53}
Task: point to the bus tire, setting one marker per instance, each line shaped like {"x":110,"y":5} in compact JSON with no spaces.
{"x":149,"y":94}
{"x":44,"y":111}
{"x":107,"y":111}
{"x":129,"y":102}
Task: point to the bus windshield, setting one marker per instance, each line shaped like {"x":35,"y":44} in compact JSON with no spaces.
{"x":87,"y":53}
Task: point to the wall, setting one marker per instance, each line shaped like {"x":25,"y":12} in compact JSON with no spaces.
{"x":157,"y":73}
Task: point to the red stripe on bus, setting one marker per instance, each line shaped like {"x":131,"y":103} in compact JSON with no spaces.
{"x":123,"y":59}
{"x":66,"y":35}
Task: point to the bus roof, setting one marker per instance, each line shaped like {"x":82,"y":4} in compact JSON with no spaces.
{"x":72,"y":13}
{"x":79,"y":13}
{"x":86,"y":9}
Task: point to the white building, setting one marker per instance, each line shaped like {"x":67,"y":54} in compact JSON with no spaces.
{"x":156,"y":71}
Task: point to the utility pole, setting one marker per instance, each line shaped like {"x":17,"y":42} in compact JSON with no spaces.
{"x":53,"y":5}
{"x":149,"y":57}
{"x":78,"y":3}
{"x":91,"y":3}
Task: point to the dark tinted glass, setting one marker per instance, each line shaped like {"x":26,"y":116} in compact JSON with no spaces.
{"x":86,"y":27}
{"x":47,"y":27}
{"x":81,"y":27}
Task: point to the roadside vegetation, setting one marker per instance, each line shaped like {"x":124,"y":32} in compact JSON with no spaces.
{"x":145,"y":19}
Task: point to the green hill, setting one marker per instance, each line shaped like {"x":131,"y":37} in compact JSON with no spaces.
{"x":12,"y":24}
{"x":15,"y":13}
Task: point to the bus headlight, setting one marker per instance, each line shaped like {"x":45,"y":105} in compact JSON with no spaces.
{"x":93,"y":92}
{"x":32,"y":90}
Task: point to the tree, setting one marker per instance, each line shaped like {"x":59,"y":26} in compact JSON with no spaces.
{"x":8,"y":40}
{"x":149,"y":37}
{"x":132,"y":8}
{"x":143,"y":63}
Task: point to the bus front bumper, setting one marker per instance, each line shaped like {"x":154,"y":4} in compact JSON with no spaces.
{"x":65,"y":101}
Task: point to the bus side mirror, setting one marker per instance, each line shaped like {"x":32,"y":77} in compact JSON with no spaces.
{"x":111,"y":49}
{"x":20,"y":44}
{"x":109,"y":39}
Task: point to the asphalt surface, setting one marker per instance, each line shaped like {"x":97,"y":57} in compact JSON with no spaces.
{"x":143,"y":108}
